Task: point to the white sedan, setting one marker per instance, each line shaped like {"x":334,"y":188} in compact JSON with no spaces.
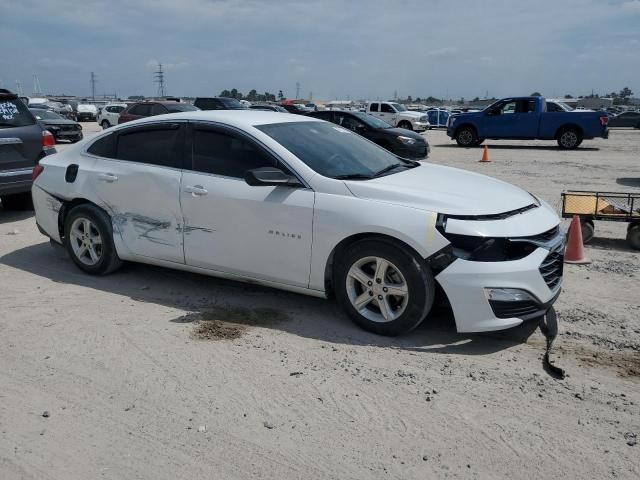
{"x":303,"y":205}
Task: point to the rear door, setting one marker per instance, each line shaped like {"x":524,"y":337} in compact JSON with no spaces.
{"x":20,"y":140}
{"x":139,"y":185}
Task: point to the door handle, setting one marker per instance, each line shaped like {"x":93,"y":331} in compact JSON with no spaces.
{"x":108,"y":177}
{"x":196,"y":190}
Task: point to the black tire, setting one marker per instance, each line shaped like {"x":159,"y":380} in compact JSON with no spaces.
{"x":633,"y":236}
{"x":105,"y":124}
{"x":569,"y":139}
{"x":418,"y":280}
{"x":406,"y":125}
{"x":638,"y":126}
{"x":108,"y":260}
{"x":17,"y":201}
{"x":466,"y":137}
{"x":588,"y":230}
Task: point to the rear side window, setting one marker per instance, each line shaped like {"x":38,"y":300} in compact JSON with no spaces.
{"x":14,"y":113}
{"x":223,"y":154}
{"x":157,"y":109}
{"x":114,"y":109}
{"x":160,"y":146}
{"x":207,"y":104}
{"x":103,"y":147}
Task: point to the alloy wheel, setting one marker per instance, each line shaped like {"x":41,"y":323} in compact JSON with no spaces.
{"x":377,"y":289}
{"x":86,"y":241}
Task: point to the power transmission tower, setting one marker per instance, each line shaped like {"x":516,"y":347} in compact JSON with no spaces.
{"x":19,"y":87}
{"x":37,"y":90}
{"x":297,"y":90}
{"x":159,"y":79}
{"x":93,"y":85}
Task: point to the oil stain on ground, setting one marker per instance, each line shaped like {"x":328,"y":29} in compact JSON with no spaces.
{"x":229,"y":322}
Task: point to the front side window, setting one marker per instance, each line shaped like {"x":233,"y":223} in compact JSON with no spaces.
{"x":223,"y":154}
{"x":331,"y":150}
{"x":386,"y":108}
{"x":347,"y":121}
{"x":159,"y":145}
{"x":115,"y":109}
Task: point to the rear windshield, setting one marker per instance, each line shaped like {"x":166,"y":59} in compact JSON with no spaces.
{"x":231,"y":103}
{"x":14,"y":113}
{"x":180,"y":107}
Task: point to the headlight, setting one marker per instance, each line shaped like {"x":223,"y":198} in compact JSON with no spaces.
{"x":424,"y":119}
{"x":407,"y":140}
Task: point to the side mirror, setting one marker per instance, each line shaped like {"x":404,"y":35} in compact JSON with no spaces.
{"x":269,"y":177}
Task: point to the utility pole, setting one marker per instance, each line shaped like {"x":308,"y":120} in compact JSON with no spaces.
{"x":37,"y":90}
{"x":310,"y":96}
{"x":297,"y":90}
{"x":159,"y":79}
{"x":93,"y":86}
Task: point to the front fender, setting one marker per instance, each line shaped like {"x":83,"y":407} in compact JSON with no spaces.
{"x":336,"y":218}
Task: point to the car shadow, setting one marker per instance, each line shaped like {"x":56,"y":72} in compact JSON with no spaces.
{"x":300,"y":315}
{"x":518,"y":147}
{"x":629,"y":181}
{"x":8,"y":216}
{"x":605,"y":243}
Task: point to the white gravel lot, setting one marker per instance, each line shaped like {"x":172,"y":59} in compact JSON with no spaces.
{"x":294,"y":390}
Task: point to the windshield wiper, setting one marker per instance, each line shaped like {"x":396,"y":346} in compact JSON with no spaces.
{"x":388,"y":169}
{"x":353,"y":176}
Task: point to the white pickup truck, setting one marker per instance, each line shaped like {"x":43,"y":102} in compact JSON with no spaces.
{"x":397,"y":115}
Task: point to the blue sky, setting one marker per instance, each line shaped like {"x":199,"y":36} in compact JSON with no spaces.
{"x":334,"y":48}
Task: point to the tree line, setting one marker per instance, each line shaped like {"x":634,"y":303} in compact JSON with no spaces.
{"x":253,"y":95}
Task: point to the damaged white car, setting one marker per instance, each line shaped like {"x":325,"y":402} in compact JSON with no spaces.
{"x":303,"y":205}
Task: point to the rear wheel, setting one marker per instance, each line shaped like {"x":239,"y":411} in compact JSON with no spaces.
{"x":588,"y":230}
{"x":17,"y":201}
{"x":385,"y":289}
{"x":466,"y":137}
{"x":569,"y":139}
{"x":88,"y":238}
{"x":633,"y":236}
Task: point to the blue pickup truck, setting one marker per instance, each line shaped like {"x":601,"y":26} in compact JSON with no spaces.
{"x":527,"y":118}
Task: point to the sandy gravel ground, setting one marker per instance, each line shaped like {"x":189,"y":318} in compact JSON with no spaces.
{"x":156,"y":374}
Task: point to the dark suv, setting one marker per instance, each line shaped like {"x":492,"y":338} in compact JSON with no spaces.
{"x":218,"y":103}
{"x":23,"y":142}
{"x":149,"y":109}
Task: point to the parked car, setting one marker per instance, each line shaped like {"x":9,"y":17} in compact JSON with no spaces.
{"x":397,"y":115}
{"x":295,"y":108}
{"x":438,"y":117}
{"x":109,"y":114}
{"x":300,"y":204}
{"x":400,"y":141}
{"x":23,"y":141}
{"x":218,"y":103}
{"x":527,"y":118}
{"x":150,"y":109}
{"x":86,"y":112}
{"x":271,"y":108}
{"x":625,"y":119}
{"x":60,"y":127}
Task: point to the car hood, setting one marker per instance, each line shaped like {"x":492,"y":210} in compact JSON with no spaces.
{"x":412,"y":114}
{"x":443,"y":190}
{"x":404,"y":132}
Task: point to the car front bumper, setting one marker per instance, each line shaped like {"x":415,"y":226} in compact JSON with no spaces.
{"x":420,"y":126}
{"x":468,"y":283}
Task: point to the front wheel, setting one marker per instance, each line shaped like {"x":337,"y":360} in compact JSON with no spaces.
{"x":569,"y":139}
{"x":633,"y":236}
{"x":105,"y":124}
{"x":466,"y":137}
{"x":88,"y":238}
{"x":406,"y":125}
{"x":385,"y":289}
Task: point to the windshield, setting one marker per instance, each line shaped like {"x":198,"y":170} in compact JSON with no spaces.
{"x":46,"y":115}
{"x":399,"y":107}
{"x":181,"y":107}
{"x":566,"y":107}
{"x":14,"y":113}
{"x":331,"y":150}
{"x":371,"y":121}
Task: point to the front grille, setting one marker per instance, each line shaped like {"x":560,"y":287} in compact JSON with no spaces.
{"x":544,"y":236}
{"x":551,"y":268}
{"x":525,"y":309}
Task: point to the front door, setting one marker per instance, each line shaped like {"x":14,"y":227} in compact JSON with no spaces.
{"x":140,"y":186}
{"x":388,"y":114}
{"x":257,"y":232}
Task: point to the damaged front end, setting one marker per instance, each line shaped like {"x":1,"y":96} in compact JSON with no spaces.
{"x":498,"y":281}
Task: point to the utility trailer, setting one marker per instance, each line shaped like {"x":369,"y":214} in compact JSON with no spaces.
{"x":606,"y":206}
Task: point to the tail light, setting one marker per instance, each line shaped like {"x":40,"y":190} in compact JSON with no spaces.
{"x":604,"y":121}
{"x":48,"y":140}
{"x":37,"y":170}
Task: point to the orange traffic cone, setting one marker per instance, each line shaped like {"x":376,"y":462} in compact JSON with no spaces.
{"x":574,"y":252}
{"x":485,"y":155}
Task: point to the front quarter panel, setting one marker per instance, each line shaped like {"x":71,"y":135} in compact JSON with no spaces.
{"x":338,"y":217}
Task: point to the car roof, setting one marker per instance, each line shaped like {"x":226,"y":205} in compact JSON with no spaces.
{"x":238,"y":118}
